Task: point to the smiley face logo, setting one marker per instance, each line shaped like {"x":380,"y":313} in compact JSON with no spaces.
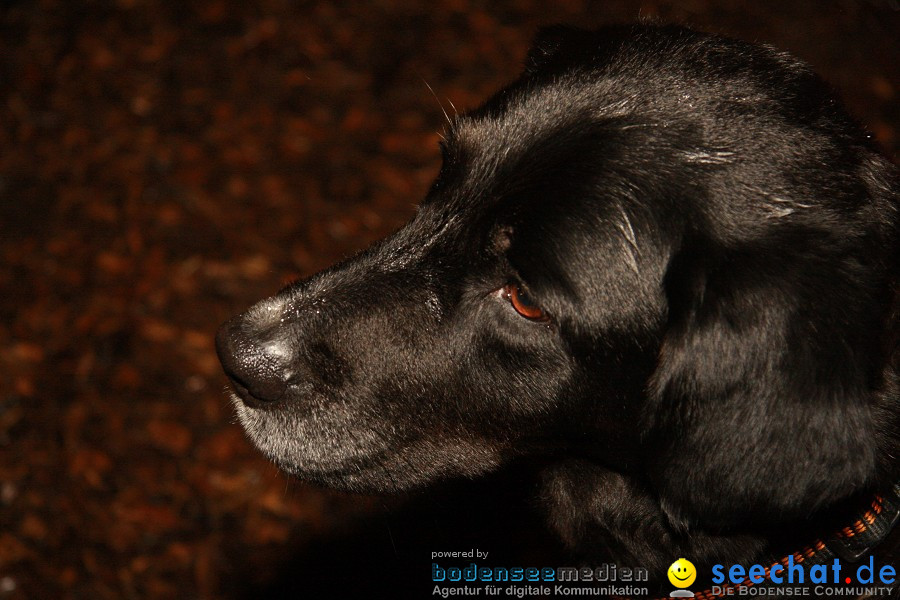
{"x":682,"y":573}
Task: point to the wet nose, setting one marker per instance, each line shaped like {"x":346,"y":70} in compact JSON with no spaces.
{"x":254,"y":359}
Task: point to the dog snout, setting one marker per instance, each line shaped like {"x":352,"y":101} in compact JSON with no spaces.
{"x":256,"y":358}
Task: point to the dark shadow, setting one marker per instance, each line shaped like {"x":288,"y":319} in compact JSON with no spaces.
{"x":391,"y":552}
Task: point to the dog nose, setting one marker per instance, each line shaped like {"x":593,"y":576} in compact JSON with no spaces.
{"x":256,"y":361}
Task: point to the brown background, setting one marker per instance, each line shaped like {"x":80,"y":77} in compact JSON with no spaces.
{"x":164,"y":165}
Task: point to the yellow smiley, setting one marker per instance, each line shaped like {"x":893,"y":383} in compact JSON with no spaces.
{"x":682,"y":573}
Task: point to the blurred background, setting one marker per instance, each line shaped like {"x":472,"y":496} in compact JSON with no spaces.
{"x":163,"y":165}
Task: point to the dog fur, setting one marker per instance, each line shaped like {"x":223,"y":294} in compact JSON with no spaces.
{"x":713,"y":244}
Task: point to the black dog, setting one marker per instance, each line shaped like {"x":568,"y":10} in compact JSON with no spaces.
{"x":664,"y":261}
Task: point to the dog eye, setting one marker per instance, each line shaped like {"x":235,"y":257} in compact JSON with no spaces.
{"x":523,"y":304}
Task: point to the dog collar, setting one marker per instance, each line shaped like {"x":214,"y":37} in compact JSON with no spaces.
{"x":850,"y":544}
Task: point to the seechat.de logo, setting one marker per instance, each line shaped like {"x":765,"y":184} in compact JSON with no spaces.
{"x":682,"y":574}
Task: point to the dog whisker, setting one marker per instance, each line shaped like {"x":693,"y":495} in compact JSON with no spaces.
{"x":640,"y":125}
{"x":710,"y":157}
{"x":781,"y":206}
{"x":628,"y":232}
{"x":430,"y":89}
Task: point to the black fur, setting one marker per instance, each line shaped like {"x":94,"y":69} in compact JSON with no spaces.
{"x":716,"y":245}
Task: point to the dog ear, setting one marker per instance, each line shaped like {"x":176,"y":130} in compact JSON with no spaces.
{"x":761,"y":400}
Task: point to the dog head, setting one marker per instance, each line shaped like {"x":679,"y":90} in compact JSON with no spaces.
{"x":662,"y":251}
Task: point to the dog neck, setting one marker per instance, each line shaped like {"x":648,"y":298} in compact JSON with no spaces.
{"x":622,"y":520}
{"x":870,"y":531}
